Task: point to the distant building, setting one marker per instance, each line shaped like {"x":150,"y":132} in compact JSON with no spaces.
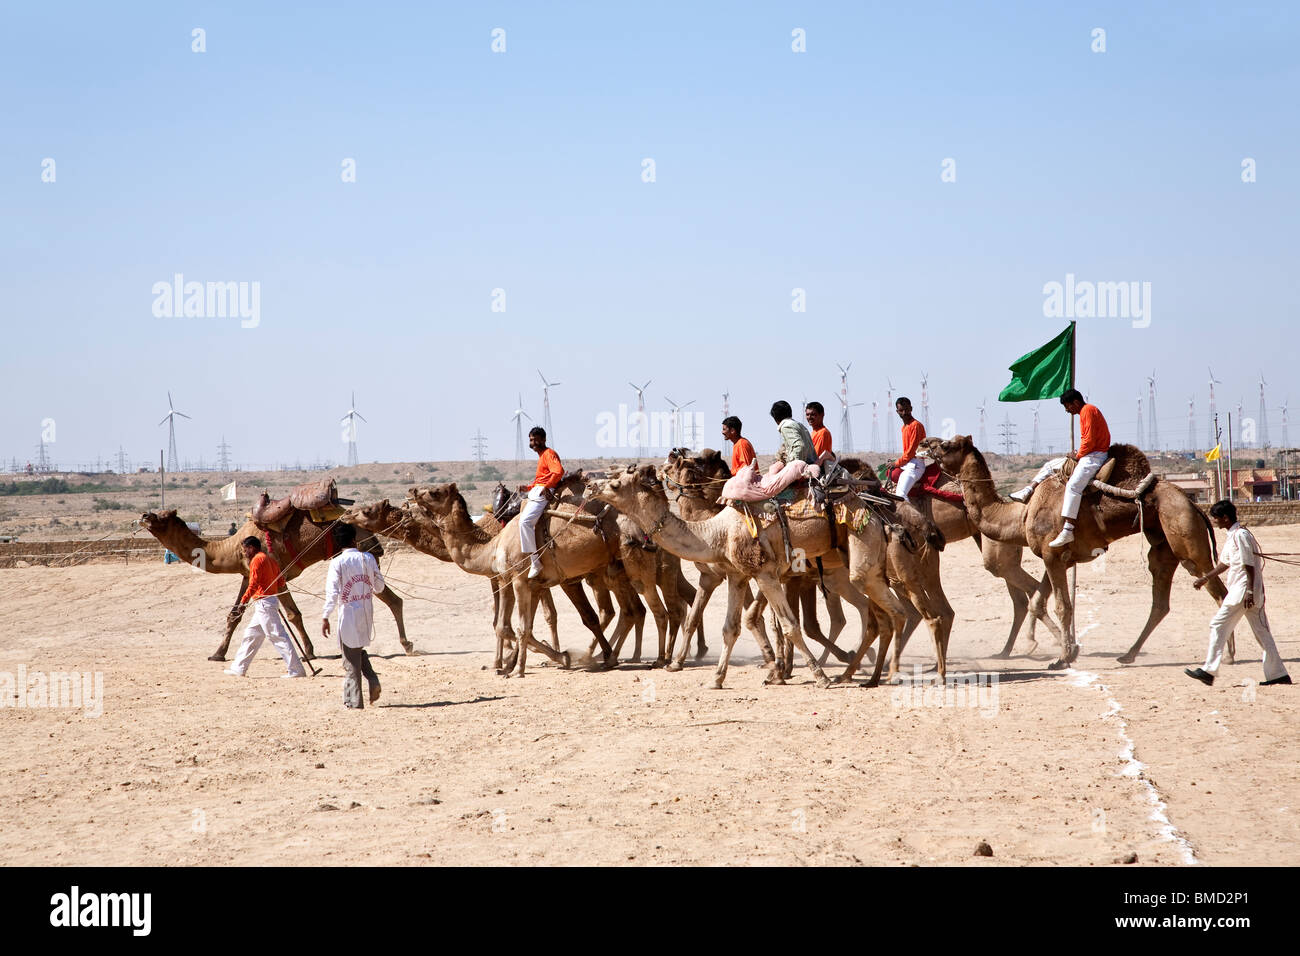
{"x":1256,"y":484}
{"x":1196,"y":484}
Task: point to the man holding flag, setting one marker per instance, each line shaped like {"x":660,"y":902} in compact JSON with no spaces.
{"x":1094,"y":445}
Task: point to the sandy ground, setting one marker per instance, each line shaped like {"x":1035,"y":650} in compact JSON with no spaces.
{"x":459,"y":766}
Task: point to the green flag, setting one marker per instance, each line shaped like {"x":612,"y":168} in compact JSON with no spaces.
{"x":1046,"y":372}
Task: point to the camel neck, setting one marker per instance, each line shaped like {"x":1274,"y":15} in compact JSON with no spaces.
{"x":983,"y":505}
{"x":221,"y":556}
{"x":689,"y":540}
{"x":472,"y":548}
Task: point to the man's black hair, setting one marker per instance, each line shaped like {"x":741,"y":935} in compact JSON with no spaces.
{"x":1071,"y":395}
{"x":816,"y":407}
{"x":781,"y":411}
{"x":539,"y":431}
{"x":903,"y":400}
{"x":732,"y":422}
{"x":345,"y":536}
{"x":252,"y":542}
{"x":1224,"y":509}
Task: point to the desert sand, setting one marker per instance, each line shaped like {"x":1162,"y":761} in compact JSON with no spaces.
{"x":457,"y":765}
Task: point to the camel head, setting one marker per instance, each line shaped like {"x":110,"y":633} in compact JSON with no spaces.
{"x":694,"y":471}
{"x":633,"y":490}
{"x":157,"y":523}
{"x":500,"y":495}
{"x":441,"y":503}
{"x":949,"y":452}
{"x":380,"y":516}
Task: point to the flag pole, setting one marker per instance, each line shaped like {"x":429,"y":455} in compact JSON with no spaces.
{"x":1074,"y":568}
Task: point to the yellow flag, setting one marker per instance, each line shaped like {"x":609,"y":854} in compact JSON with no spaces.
{"x":1213,"y":454}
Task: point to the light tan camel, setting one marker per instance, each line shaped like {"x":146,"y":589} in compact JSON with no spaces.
{"x":1175,"y":528}
{"x":911,"y":560}
{"x":298,"y":547}
{"x":724,"y":540}
{"x":573,"y":551}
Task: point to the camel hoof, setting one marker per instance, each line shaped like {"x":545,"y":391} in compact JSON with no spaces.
{"x":636,"y":658}
{"x":1001,"y":655}
{"x":1073,"y":655}
{"x":565,"y":660}
{"x":704,"y":649}
{"x":673,"y":666}
{"x":1126,"y":658}
{"x":1058,"y":665}
{"x":717,"y":684}
{"x":408,"y":647}
{"x":823,"y":681}
{"x":216,"y":657}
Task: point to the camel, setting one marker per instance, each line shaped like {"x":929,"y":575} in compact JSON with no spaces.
{"x":418,"y":530}
{"x":724,"y":540}
{"x":300,"y":545}
{"x":573,"y":551}
{"x":1000,"y":558}
{"x":1175,"y":528}
{"x":911,"y":561}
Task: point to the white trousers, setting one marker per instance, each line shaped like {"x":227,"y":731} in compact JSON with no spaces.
{"x":266,"y":623}
{"x":529,"y":515}
{"x":910,"y":475}
{"x":1221,"y":625}
{"x":1084,"y":471}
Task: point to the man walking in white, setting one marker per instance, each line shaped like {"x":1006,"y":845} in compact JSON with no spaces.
{"x":1094,"y":448}
{"x":264,"y":583}
{"x":1245,"y":583}
{"x":351,"y":582}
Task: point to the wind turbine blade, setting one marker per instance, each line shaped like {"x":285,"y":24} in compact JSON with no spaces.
{"x":183,"y":415}
{"x":165,"y":417}
{"x":360,"y":416}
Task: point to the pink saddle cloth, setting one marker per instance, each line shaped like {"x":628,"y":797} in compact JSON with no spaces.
{"x":748,"y":485}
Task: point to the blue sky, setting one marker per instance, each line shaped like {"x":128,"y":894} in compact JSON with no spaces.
{"x":522,"y":171}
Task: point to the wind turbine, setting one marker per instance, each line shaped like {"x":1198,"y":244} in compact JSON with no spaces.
{"x":643,"y":423}
{"x":875,"y":426}
{"x":1263,"y":413}
{"x":846,"y":425}
{"x":546,"y":407}
{"x":677,"y":420}
{"x":889,"y":399}
{"x":518,"y":418}
{"x":1286,"y":442}
{"x":1214,"y":440}
{"x":726,"y":411}
{"x":925,"y":400}
{"x":170,"y":421}
{"x":1191,"y":424}
{"x":1141,"y":438}
{"x":352,"y":429}
{"x":1033,"y":447}
{"x":984,"y":440}
{"x":1151,"y":411}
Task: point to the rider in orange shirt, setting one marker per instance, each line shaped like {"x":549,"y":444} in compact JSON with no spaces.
{"x":815,"y":414}
{"x":549,"y":473}
{"x":912,"y":467}
{"x":742,"y":452}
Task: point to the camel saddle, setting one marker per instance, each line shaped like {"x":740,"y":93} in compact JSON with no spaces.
{"x":320,"y":499}
{"x":928,"y":485}
{"x":1103,"y":474}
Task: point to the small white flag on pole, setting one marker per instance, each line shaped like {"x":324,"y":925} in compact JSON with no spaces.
{"x":228,"y":492}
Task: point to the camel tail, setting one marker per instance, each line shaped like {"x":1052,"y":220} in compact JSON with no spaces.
{"x":1205,"y":520}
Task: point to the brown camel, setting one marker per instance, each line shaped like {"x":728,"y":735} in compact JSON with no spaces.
{"x":724,"y":540}
{"x":415,"y":528}
{"x":300,"y":545}
{"x":1001,"y":559}
{"x":573,"y":551}
{"x":1175,"y":528}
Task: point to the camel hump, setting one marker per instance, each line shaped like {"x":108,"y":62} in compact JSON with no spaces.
{"x":313,"y":496}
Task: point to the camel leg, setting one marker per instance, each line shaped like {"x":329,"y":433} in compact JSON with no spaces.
{"x":686,"y":592}
{"x":912,"y":618}
{"x":1064,"y":612}
{"x":526,"y":600}
{"x":604,"y":602}
{"x":771,"y":587}
{"x":550,"y":617}
{"x":631,"y":613}
{"x":840,"y":587}
{"x":709,"y":581}
{"x":889,"y":614}
{"x":394,"y":602}
{"x":233,"y":617}
{"x":737,"y":589}
{"x":803,"y":594}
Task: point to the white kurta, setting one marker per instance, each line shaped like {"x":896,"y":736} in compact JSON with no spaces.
{"x":351,"y":582}
{"x":1239,"y":552}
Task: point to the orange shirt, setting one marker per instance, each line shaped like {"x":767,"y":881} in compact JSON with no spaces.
{"x":821,"y":440}
{"x":549,"y":470}
{"x":742,"y":453}
{"x":263,"y":578}
{"x":1093,"y":435}
{"x":913,"y":435}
